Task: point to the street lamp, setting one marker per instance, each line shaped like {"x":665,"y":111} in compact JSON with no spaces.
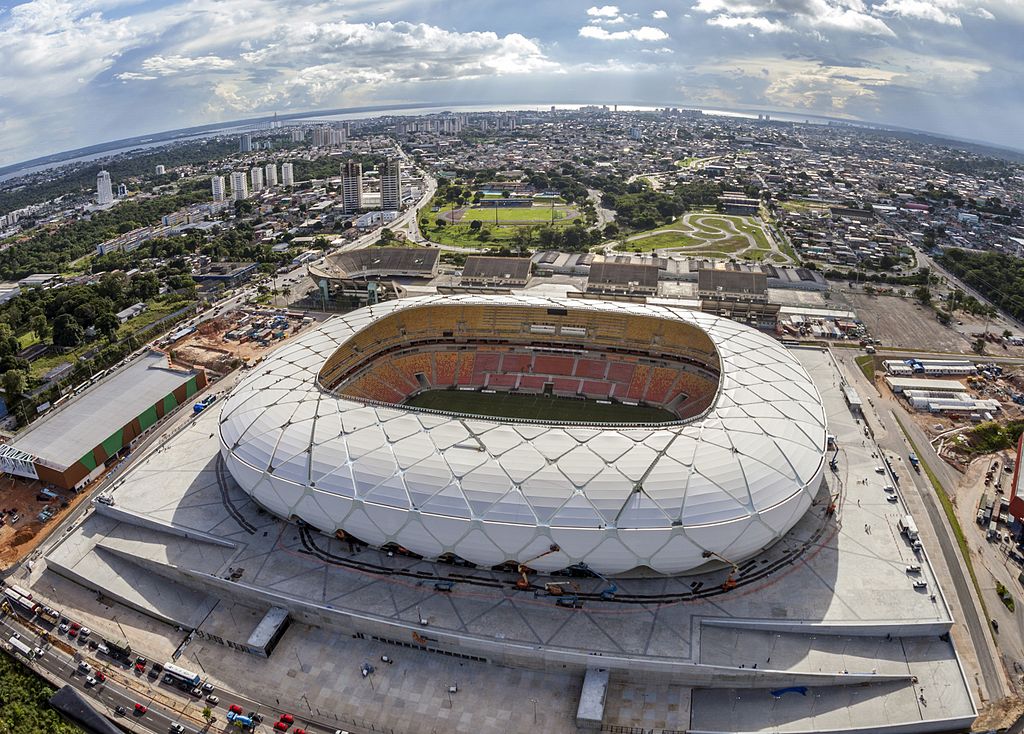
{"x":534,"y":701}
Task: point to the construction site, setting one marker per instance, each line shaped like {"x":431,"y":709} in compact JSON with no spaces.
{"x":237,"y":338}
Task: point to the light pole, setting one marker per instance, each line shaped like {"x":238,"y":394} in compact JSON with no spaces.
{"x":534,"y":701}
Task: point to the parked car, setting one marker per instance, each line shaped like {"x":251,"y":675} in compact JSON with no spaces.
{"x":212,"y":700}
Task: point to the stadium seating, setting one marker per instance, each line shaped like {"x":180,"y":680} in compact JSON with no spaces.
{"x":659,"y":385}
{"x":441,"y":346}
{"x":444,"y":368}
{"x":638,"y":384}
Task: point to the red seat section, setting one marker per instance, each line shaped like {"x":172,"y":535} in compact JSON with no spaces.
{"x":596,"y":389}
{"x":516,"y":362}
{"x":502,"y":381}
{"x":533,"y":383}
{"x":591,"y":368}
{"x":544,"y":364}
{"x":566,"y":386}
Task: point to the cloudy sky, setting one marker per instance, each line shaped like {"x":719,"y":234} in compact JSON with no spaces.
{"x":78,"y":73}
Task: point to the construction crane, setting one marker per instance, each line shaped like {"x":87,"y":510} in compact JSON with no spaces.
{"x":557,"y":588}
{"x":730,"y":581}
{"x":524,"y":567}
{"x":607,"y":593}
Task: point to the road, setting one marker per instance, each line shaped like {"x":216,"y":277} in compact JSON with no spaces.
{"x":604,"y":216}
{"x":123,"y":687}
{"x":894,"y":443}
{"x":117,"y":690}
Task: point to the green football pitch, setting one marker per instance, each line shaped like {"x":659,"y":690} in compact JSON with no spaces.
{"x":537,"y":407}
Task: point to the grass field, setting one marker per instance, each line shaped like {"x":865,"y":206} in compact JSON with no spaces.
{"x":537,"y":407}
{"x":708,"y":235}
{"x":517,"y":215}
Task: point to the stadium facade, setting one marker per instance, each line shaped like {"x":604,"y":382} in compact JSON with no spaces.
{"x":318,"y":433}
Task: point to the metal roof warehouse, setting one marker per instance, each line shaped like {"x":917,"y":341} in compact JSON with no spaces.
{"x":70,"y":446}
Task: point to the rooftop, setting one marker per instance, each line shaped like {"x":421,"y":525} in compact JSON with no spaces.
{"x":67,"y":434}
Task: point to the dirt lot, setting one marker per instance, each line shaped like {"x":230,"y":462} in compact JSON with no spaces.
{"x":19,"y":496}
{"x":903,"y":323}
{"x":209,"y":347}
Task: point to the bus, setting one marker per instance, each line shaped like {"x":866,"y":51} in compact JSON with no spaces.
{"x":23,"y":648}
{"x":22,"y":599}
{"x":182,"y":676}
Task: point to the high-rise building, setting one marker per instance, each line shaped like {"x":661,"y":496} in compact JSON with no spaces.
{"x":391,"y":185}
{"x":270,"y":174}
{"x":122,"y":190}
{"x":287,"y":174}
{"x":245,"y":143}
{"x":338,"y":137}
{"x":239,"y":186}
{"x":161,"y":170}
{"x":298,"y":135}
{"x":321,"y":136}
{"x":352,"y":187}
{"x":256,"y":176}
{"x":217,"y":184}
{"x":104,"y":191}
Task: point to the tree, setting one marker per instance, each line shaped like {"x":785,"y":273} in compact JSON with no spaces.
{"x":67,"y":332}
{"x":923,"y":294}
{"x":978,"y":346}
{"x":40,"y":326}
{"x":475,"y":225}
{"x":207,"y":714}
{"x":14,"y":385}
{"x":106,"y":324}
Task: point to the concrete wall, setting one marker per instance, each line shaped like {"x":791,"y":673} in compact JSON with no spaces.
{"x":135,"y":518}
{"x":849,"y":629}
{"x":637,"y":669}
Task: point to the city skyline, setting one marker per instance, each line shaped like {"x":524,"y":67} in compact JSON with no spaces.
{"x":117,"y":69}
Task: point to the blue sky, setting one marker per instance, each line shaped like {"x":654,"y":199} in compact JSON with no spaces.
{"x":78,"y":73}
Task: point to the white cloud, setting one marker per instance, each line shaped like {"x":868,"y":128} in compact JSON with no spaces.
{"x":605,"y":11}
{"x":645,"y":33}
{"x":770,"y":16}
{"x":755,"y":22}
{"x":946,"y":12}
{"x":659,"y":15}
{"x":175,"y":64}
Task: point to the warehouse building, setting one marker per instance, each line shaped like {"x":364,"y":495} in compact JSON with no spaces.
{"x":71,"y":445}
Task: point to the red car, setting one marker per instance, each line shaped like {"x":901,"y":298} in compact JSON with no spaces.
{"x":299,"y":731}
{"x":140,"y":667}
{"x":100,"y":676}
{"x":140,"y":710}
{"x":235,"y":709}
{"x":76,"y":626}
{"x":281,"y":726}
{"x":288,"y":719}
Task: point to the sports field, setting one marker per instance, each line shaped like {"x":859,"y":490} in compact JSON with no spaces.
{"x":536,"y":407}
{"x":514,"y":215}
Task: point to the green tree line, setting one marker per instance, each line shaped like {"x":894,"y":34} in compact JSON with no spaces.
{"x":24,"y":703}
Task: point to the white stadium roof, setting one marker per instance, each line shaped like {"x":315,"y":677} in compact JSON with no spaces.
{"x":491,"y":490}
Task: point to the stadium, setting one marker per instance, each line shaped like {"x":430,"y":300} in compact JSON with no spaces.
{"x":533,"y":432}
